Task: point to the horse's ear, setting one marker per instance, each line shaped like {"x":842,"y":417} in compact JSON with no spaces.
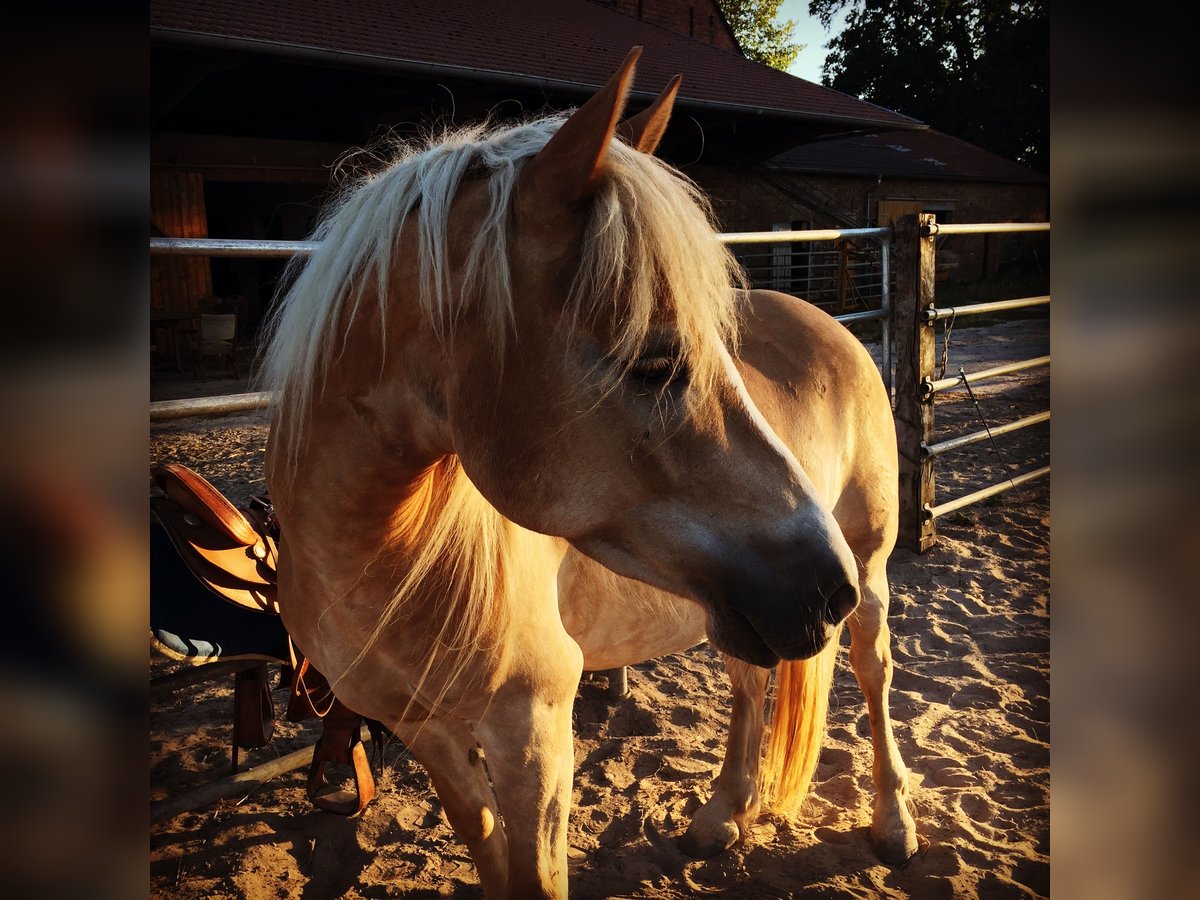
{"x":645,"y":130}
{"x":565,"y":170}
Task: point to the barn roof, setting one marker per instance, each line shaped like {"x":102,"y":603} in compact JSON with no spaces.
{"x":904,"y":154}
{"x":562,"y":44}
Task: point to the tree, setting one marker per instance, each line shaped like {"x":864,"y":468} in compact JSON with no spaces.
{"x":761,"y":38}
{"x":976,"y":69}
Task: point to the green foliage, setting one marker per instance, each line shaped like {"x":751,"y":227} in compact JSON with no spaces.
{"x":976,"y":69}
{"x":762,"y":39}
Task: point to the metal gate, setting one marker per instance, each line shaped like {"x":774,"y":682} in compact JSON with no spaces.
{"x":916,"y":316}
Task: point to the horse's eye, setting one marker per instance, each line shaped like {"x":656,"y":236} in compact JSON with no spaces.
{"x":656,"y":371}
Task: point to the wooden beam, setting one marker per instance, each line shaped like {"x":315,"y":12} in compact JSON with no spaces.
{"x":222,"y":405}
{"x":165,"y":685}
{"x":916,"y":269}
{"x":246,"y":781}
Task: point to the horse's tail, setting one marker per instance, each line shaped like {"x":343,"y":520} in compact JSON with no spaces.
{"x":797,"y":727}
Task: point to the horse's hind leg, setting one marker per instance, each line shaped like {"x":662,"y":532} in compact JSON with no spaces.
{"x":447,"y":750}
{"x":734,"y":803}
{"x":893,"y":831}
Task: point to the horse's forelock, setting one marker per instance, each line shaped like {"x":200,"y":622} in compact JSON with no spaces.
{"x":652,"y":244}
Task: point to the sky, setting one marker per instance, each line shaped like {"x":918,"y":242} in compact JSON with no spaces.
{"x":809,"y":32}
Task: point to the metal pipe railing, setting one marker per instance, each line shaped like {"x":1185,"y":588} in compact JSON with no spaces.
{"x":976,"y":436}
{"x":168,"y":246}
{"x":984,"y":228}
{"x":867,"y":316}
{"x":885,"y":307}
{"x":236,"y":248}
{"x":975,"y":309}
{"x":231,"y":247}
{"x":814,"y":234}
{"x":934,"y":512}
{"x":945,"y":384}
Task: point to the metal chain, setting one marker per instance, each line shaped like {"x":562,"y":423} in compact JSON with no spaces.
{"x":949,"y":327}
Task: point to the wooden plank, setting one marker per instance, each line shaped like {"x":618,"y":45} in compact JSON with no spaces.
{"x":177,"y":209}
{"x":195,"y":224}
{"x":916,"y":269}
{"x":210,"y":406}
{"x":246,"y":781}
{"x":165,"y":685}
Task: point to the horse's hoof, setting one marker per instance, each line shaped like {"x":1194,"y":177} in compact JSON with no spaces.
{"x":705,"y":843}
{"x":895,"y":850}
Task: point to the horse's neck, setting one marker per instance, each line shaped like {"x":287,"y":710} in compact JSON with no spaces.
{"x":357,"y":493}
{"x":412,"y":589}
{"x":370,"y":443}
{"x":379,"y":518}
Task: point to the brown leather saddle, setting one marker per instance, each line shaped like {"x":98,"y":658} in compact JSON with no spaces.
{"x":234,"y":553}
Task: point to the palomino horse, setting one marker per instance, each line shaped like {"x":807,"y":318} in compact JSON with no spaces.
{"x":522,"y":341}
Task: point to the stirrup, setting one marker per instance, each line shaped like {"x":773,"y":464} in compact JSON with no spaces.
{"x":341,"y":742}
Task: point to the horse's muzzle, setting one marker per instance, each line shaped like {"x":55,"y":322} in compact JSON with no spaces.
{"x":761,"y":621}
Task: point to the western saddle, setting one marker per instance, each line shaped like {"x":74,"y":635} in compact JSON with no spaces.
{"x":234,"y":554}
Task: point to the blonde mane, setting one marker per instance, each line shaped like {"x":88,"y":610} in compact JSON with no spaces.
{"x":649,"y":246}
{"x":463,"y":559}
{"x":649,"y":253}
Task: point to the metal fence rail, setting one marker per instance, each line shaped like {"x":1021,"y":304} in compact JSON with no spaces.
{"x":248,"y":247}
{"x":168,"y":246}
{"x":935,"y":512}
{"x":976,"y":436}
{"x":929,"y":386}
{"x":227,"y":247}
{"x":975,"y":309}
{"x":812,"y":234}
{"x":984,"y":228}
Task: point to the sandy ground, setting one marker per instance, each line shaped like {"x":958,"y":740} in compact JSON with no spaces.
{"x":970,"y":698}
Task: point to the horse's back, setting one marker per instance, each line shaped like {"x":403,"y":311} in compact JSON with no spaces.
{"x":821,"y":392}
{"x":804,"y":354}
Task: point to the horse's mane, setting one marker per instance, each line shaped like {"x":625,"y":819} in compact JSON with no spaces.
{"x":649,"y":245}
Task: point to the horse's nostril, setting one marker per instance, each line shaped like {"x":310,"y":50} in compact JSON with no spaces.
{"x":841,"y":603}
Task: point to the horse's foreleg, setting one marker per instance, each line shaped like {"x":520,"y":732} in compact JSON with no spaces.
{"x":734,"y":804}
{"x":893,"y":831}
{"x":526,"y":733}
{"x":447,"y":750}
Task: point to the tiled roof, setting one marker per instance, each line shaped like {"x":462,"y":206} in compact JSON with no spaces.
{"x":563,"y":42}
{"x":904,"y":154}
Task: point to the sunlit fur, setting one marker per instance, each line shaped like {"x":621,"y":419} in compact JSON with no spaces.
{"x":650,"y":253}
{"x":449,"y":531}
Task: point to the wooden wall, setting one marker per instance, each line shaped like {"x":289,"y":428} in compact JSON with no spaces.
{"x":177,"y":210}
{"x":177,"y":283}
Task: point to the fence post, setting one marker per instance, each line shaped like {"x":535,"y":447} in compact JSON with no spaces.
{"x":915,"y":262}
{"x":885,"y":305}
